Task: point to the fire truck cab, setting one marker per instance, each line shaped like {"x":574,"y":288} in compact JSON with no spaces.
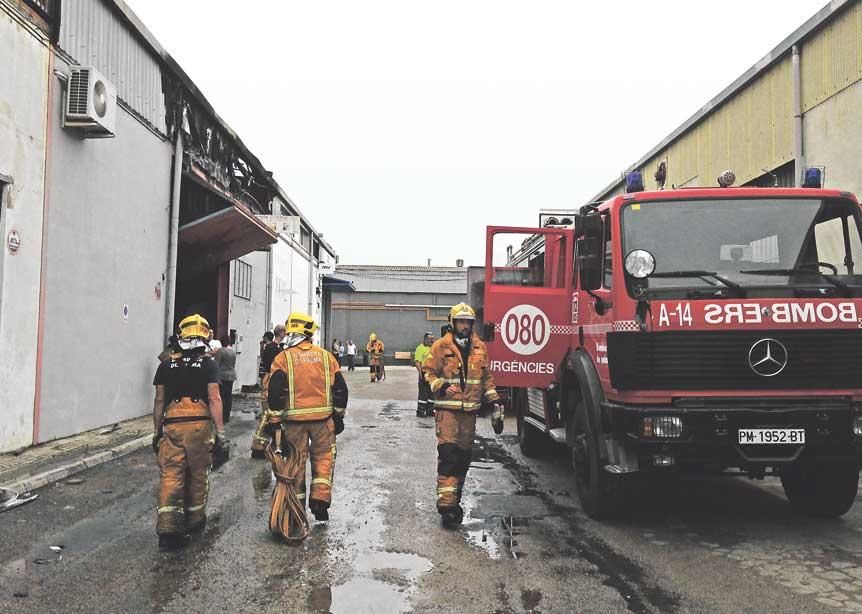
{"x":714,"y":330}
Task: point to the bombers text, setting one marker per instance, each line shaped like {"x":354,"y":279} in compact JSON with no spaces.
{"x":779,"y":313}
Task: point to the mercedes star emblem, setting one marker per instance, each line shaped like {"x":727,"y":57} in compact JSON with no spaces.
{"x":767,"y":357}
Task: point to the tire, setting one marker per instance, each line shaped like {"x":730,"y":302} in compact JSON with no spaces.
{"x":599,"y":492}
{"x":531,"y":440}
{"x":825,"y":490}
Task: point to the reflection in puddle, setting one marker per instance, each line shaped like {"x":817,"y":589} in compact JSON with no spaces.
{"x":361,"y":595}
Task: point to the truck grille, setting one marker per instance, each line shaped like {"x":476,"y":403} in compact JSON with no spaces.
{"x":720,"y":360}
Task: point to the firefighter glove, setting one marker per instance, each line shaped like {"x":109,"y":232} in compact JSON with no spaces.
{"x":497,"y":418}
{"x":157,"y":439}
{"x":339,"y":423}
{"x":221,"y":450}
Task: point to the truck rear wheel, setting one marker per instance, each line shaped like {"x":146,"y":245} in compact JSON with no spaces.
{"x":530,"y":439}
{"x":826,"y":490}
{"x":598,"y":491}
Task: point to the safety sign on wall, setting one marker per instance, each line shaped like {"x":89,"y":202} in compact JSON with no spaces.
{"x":13,"y":242}
{"x":125,"y":314}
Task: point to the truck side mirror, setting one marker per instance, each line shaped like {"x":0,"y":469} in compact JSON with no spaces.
{"x":589,"y":225}
{"x":590,"y":263}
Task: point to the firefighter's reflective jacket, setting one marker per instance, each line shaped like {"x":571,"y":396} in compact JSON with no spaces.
{"x":448,"y":366}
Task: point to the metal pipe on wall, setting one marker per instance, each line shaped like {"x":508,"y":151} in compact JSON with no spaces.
{"x":171,"y":273}
{"x":798,"y":150}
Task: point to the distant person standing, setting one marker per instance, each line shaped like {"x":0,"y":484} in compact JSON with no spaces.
{"x":375,"y":350}
{"x":351,"y":355}
{"x":334,"y":350}
{"x":425,"y":404}
{"x":340,"y":354}
{"x":225,"y":358}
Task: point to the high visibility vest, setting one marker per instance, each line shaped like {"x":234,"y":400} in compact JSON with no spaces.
{"x":443,"y":365}
{"x":310,"y":376}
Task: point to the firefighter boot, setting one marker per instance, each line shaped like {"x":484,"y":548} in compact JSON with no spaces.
{"x":171,"y":541}
{"x":320,"y":509}
{"x":451,"y":516}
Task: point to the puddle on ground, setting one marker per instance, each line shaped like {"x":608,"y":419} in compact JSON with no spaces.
{"x":261,"y":482}
{"x":530,"y":599}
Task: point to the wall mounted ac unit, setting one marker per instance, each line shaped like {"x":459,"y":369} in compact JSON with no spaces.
{"x":91,"y":102}
{"x":282,"y":224}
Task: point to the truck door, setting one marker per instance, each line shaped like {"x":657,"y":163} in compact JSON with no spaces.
{"x":529,"y":307}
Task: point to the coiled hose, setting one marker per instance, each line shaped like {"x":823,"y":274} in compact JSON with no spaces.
{"x":287,"y":517}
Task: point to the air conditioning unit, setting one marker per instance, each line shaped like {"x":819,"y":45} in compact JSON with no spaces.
{"x":282,"y":224}
{"x":91,"y":102}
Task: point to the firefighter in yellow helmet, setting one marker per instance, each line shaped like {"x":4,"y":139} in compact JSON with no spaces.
{"x":187,"y":418}
{"x":375,"y":349}
{"x":459,"y":373}
{"x":307,"y":397}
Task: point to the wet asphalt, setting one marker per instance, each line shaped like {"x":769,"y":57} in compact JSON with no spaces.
{"x":693,"y":545}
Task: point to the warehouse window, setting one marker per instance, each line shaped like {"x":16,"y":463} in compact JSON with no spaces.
{"x":242,"y":279}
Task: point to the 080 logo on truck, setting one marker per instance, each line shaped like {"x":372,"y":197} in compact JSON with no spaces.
{"x":525,"y":329}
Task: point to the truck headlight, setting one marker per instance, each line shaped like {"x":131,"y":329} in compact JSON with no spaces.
{"x":664,"y":427}
{"x":640,"y":264}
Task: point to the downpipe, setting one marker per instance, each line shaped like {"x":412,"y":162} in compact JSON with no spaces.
{"x":173,"y":236}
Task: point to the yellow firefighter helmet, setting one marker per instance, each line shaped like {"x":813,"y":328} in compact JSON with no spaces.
{"x":372,"y":337}
{"x":195,"y":326}
{"x":461,"y":311}
{"x":300,"y":323}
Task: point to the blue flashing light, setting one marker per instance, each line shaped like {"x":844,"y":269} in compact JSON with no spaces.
{"x":634,"y":182}
{"x":812,"y":177}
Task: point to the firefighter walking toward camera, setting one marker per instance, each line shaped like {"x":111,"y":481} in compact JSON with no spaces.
{"x":459,"y":374}
{"x":307,"y":397}
{"x":375,"y":349}
{"x":187,"y":419}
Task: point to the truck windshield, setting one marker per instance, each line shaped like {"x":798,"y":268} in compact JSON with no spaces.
{"x":727,"y":247}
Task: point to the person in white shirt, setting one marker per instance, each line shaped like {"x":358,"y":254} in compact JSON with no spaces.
{"x":351,"y":355}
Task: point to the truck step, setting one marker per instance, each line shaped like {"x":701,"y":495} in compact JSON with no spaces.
{"x":558,"y":435}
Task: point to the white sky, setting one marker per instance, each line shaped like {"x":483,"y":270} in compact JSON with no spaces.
{"x":402,"y":128}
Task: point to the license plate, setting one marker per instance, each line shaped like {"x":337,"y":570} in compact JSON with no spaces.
{"x":771,"y":436}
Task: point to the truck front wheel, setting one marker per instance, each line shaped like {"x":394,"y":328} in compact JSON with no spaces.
{"x":826,"y":490}
{"x":598,"y":491}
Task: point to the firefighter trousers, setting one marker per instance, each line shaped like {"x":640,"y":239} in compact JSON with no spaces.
{"x":314,"y":439}
{"x":185,"y":458}
{"x":455,"y":431}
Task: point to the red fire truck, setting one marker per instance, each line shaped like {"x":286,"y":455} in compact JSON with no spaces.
{"x":714,"y":330}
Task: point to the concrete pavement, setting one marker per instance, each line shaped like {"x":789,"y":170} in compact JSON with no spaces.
{"x":718,"y":545}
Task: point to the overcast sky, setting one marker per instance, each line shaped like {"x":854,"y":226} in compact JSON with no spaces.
{"x":402,"y":129}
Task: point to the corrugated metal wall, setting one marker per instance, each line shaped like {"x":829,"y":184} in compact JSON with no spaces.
{"x":93,"y":35}
{"x":753,"y":130}
{"x":750,"y":132}
{"x":832,"y":59}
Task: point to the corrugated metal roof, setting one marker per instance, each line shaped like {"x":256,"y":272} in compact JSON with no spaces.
{"x":94,"y":35}
{"x":411,"y":279}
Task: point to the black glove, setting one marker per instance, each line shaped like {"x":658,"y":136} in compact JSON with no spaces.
{"x":221,"y":451}
{"x":157,"y":439}
{"x":339,"y":423}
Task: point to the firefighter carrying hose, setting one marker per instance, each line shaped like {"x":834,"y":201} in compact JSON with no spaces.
{"x":307,"y":397}
{"x":375,"y":352}
{"x":267,"y":356}
{"x":458,"y":371}
{"x":186,"y":407}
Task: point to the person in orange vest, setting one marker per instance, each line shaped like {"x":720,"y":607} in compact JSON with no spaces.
{"x":307,"y":398}
{"x":375,"y":350}
{"x":459,"y":374}
{"x":189,"y":430}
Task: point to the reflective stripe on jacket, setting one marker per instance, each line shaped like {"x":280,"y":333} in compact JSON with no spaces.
{"x":310,"y":376}
{"x":443,"y":366}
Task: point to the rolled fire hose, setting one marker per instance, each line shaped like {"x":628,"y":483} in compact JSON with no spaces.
{"x":287,"y":517}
